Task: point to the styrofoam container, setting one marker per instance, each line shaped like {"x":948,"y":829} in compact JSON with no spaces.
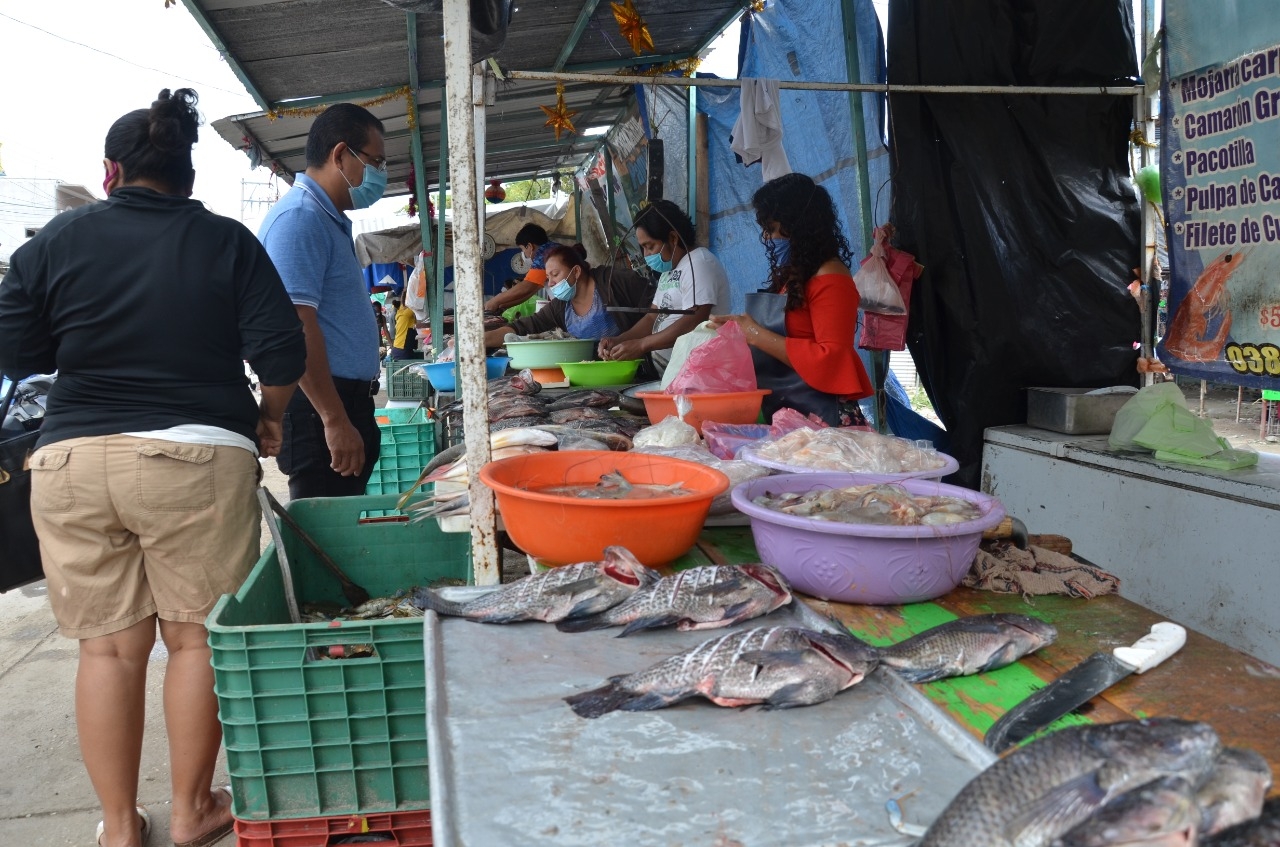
{"x":861,"y":563}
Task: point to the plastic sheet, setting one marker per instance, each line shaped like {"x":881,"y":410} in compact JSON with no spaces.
{"x":1026,"y":252}
{"x":737,"y":471}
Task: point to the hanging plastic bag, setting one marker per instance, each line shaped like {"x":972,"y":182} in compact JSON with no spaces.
{"x":889,"y":332}
{"x":415,"y":290}
{"x":685,"y":345}
{"x":876,"y":287}
{"x":718,"y":365}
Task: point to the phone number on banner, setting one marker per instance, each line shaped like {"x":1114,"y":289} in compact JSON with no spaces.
{"x":1256,"y":359}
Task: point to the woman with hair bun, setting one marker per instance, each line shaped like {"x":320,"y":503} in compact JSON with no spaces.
{"x":801,"y":328}
{"x":144,"y":479}
{"x":580,"y":298}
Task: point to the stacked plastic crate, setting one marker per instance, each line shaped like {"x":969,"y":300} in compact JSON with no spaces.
{"x":325,"y":723}
{"x":408,"y":443}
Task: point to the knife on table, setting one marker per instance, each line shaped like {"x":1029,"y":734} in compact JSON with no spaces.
{"x":1082,"y":683}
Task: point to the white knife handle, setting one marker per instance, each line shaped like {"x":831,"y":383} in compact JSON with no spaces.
{"x":1163,"y":641}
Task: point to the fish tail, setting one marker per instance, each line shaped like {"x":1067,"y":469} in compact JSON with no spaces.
{"x":601,"y":701}
{"x":583,"y":624}
{"x":425,"y":598}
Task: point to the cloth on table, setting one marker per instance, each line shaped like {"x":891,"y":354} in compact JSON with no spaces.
{"x":1004,"y":568}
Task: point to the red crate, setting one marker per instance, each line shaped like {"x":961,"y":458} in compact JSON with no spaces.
{"x":406,"y":829}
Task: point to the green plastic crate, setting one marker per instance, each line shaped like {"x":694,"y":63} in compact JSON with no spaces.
{"x":324,"y":736}
{"x":408,"y":443}
{"x":403,"y":382}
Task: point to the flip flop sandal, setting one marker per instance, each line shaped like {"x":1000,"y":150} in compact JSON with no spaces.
{"x":214,"y":835}
{"x":146,"y":827}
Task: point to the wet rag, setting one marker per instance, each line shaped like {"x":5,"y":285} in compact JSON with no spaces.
{"x":1004,"y":568}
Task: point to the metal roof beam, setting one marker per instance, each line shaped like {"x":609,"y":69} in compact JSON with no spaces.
{"x":579,"y":27}
{"x":220,"y":45}
{"x":724,"y":24}
{"x":628,"y":62}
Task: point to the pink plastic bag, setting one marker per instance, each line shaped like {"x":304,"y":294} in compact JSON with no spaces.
{"x":889,"y":332}
{"x":788,"y":420}
{"x":724,"y":440}
{"x":717,"y":366}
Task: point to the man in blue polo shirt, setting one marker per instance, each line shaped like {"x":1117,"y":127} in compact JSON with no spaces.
{"x":331,"y":440}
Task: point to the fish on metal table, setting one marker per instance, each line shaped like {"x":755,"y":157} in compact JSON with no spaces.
{"x":967,"y":646}
{"x":564,"y":592}
{"x":1042,"y":790}
{"x":698,"y":598}
{"x":1262,"y":831}
{"x":780,"y":667}
{"x":1161,"y":813}
{"x":584,"y":397}
{"x":1234,"y":791}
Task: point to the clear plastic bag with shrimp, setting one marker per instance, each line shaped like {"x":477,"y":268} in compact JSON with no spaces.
{"x":846,"y":449}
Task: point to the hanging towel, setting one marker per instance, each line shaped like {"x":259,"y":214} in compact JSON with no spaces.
{"x":757,"y":134}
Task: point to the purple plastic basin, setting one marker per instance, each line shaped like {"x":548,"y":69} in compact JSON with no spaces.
{"x":857,"y":563}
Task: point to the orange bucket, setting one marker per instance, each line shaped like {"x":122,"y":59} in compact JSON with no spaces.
{"x":560,"y":530}
{"x":732,"y":407}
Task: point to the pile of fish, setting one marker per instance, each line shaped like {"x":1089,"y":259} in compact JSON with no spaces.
{"x":843,"y":449}
{"x":1160,"y":781}
{"x":783,"y":667}
{"x":516,"y":402}
{"x":699,"y":598}
{"x":886,"y":504}
{"x":779,"y":667}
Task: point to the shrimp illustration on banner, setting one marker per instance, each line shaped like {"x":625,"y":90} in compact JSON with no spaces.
{"x":1208,"y":298}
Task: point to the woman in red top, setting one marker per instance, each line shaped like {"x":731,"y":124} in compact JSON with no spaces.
{"x":801,"y":327}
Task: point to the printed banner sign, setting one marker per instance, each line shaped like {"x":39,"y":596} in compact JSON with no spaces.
{"x":1221,"y":185}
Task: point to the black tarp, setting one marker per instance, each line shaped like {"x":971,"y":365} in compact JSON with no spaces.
{"x":1019,"y":207}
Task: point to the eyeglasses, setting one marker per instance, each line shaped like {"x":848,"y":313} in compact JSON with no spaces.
{"x":379,"y":163}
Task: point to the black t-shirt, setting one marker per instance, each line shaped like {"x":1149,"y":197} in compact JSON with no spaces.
{"x":147,"y":305}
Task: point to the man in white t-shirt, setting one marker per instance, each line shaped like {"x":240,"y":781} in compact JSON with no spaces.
{"x":692,"y":281}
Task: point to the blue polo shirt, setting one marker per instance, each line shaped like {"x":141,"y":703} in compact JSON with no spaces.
{"x":310,"y":243}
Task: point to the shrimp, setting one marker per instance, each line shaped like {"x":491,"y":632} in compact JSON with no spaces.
{"x":1188,"y":336}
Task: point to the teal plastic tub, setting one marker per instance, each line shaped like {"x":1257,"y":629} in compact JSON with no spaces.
{"x":309,"y":734}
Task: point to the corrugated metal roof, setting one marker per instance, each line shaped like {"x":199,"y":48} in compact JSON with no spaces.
{"x":289,"y":50}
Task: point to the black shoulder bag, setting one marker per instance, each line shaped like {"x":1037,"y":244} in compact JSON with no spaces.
{"x":19,"y":550}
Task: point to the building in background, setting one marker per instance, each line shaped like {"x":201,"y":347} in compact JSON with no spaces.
{"x":28,"y":203}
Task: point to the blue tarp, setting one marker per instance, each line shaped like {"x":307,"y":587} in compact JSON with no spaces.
{"x":796,"y":40}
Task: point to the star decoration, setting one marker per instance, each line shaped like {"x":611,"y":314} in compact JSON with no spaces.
{"x":633,"y":27}
{"x":559,"y":117}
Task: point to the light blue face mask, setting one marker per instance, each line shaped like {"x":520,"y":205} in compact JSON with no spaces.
{"x":563,"y":290}
{"x":657,"y":263}
{"x":371,"y":187}
{"x":779,"y":250}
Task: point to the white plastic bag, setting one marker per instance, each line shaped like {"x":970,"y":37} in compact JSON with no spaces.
{"x":876,"y":289}
{"x":415,"y":290}
{"x":700,"y":334}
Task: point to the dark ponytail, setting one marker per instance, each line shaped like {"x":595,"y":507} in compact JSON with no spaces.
{"x":155,"y":144}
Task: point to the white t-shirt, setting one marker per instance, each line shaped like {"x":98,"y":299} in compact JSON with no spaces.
{"x":698,"y":280}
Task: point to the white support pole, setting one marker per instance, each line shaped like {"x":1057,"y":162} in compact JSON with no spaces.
{"x":468,"y":280}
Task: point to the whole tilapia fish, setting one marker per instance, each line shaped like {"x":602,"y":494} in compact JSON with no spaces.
{"x":967,"y":646}
{"x":1262,"y":831}
{"x":1162,"y":813}
{"x":698,"y":598}
{"x":1044,"y":789}
{"x":781,"y":667}
{"x":584,"y":397}
{"x":1234,"y":791}
{"x":564,"y":592}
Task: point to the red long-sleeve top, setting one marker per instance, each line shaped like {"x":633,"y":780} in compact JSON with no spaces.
{"x":820,"y":338}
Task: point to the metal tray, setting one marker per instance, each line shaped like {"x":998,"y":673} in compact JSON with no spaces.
{"x":510,"y":763}
{"x":1075,"y":411}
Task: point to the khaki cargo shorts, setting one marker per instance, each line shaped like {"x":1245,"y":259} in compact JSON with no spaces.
{"x":132,"y":527}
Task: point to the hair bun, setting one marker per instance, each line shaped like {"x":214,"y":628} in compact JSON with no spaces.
{"x":173,"y":122}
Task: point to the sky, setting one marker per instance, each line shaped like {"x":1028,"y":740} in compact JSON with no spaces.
{"x":70,"y":68}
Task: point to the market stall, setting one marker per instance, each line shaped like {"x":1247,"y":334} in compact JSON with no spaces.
{"x":358,"y":728}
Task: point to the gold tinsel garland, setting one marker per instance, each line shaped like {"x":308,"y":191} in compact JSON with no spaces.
{"x":684,"y":67}
{"x":313,"y":111}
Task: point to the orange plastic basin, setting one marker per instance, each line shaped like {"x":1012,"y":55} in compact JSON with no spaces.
{"x":734,"y":407}
{"x":561,"y":530}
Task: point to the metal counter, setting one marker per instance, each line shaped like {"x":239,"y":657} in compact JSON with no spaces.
{"x":510,"y":763}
